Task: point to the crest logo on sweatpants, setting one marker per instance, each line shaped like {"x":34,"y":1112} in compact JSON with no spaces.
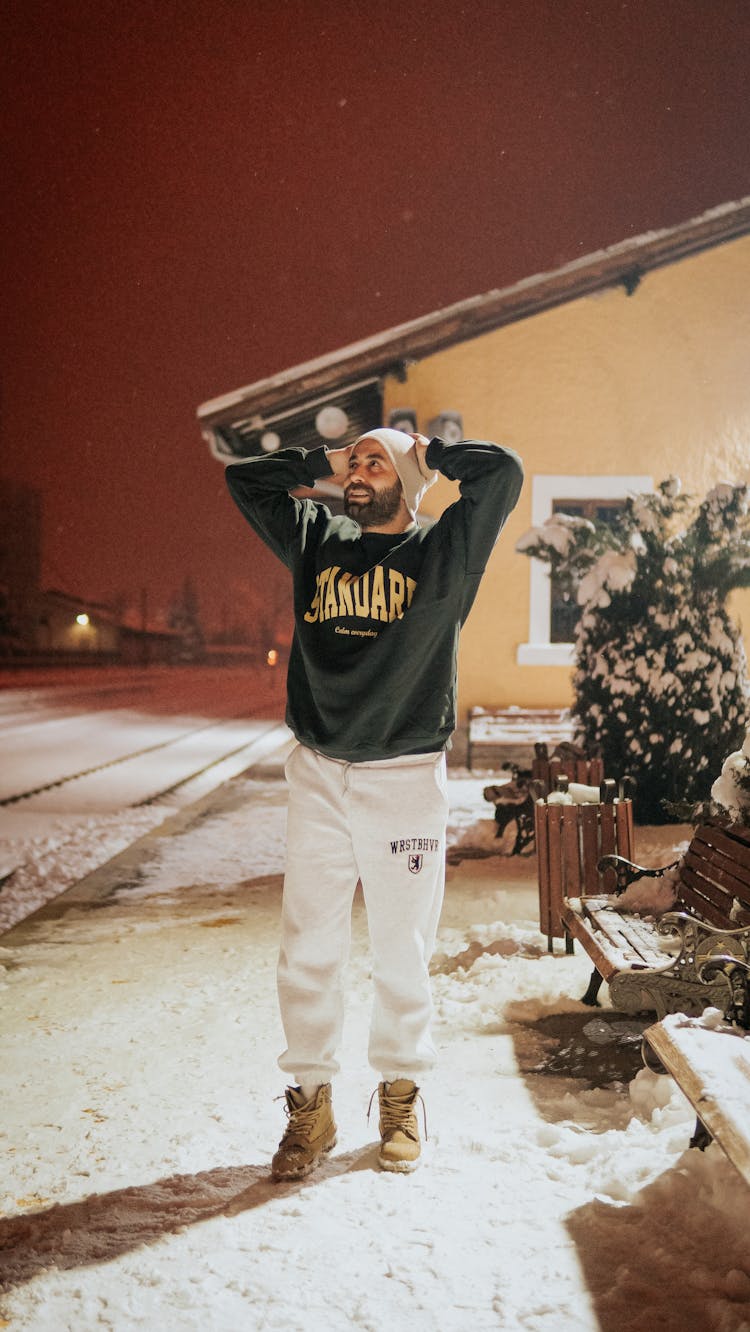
{"x":415,"y":864}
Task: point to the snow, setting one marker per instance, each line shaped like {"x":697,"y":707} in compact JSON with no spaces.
{"x":723,"y":495}
{"x":613,"y":571}
{"x":557,"y":531}
{"x":129,"y":734}
{"x":713,"y":1059}
{"x":577,"y":793}
{"x":140,"y":1035}
{"x":731,"y":790}
{"x":649,"y":896}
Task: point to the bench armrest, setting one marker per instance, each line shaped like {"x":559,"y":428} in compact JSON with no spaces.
{"x":627,"y":872}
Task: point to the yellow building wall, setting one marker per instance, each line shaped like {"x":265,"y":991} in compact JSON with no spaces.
{"x":654,"y":384}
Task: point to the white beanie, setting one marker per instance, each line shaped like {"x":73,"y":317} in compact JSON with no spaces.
{"x":415,"y":478}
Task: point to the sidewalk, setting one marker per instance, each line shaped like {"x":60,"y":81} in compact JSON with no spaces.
{"x":139,"y":1038}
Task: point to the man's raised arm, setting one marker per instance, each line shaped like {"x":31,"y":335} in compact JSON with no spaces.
{"x":490,"y":477}
{"x":260,"y":488}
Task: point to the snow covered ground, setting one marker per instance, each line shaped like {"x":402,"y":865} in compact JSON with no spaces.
{"x":109,"y":753}
{"x":139,"y":1038}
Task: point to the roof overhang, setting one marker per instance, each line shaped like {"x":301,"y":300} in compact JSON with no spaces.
{"x":390,"y":352}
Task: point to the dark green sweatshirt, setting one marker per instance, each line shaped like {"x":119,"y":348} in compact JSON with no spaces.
{"x":372,"y":670}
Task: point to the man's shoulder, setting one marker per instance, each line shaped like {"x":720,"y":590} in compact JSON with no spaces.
{"x":339,"y":527}
{"x":325,"y":528}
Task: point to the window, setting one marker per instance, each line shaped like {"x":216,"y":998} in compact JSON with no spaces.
{"x":564,"y":609}
{"x":550,"y":494}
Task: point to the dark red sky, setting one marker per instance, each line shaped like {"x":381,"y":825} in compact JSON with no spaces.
{"x":201,"y":194}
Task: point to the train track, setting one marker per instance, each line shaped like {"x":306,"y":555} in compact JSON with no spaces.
{"x":194,"y":768}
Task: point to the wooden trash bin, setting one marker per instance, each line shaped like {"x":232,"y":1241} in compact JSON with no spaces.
{"x":570,"y":842}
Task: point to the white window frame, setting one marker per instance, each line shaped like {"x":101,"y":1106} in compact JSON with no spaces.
{"x":539,"y":651}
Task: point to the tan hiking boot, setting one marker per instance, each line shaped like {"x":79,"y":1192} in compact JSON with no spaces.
{"x":399,"y":1135}
{"x":310,"y":1133}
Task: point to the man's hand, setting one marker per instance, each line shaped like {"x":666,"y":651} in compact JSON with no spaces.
{"x":339,"y":461}
{"x":420,"y":447}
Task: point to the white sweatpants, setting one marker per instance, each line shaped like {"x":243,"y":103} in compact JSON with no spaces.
{"x":382,"y":823}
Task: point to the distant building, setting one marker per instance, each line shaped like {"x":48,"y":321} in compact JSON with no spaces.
{"x":75,"y":627}
{"x":52,"y":625}
{"x":66,"y":623}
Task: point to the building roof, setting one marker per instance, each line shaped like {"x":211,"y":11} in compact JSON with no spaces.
{"x":390,"y":351}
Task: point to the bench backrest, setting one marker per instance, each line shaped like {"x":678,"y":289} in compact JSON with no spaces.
{"x":715,"y":876}
{"x":587,"y":771}
{"x":497,"y":735}
{"x":570,"y":842}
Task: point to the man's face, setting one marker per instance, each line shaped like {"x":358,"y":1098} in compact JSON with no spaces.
{"x":372,"y":490}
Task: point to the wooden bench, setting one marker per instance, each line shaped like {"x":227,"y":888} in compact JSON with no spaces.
{"x":572,"y":841}
{"x":656,"y":965}
{"x":498,"y":736}
{"x":711,"y":1064}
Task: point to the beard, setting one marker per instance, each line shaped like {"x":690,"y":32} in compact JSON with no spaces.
{"x":380,"y":506}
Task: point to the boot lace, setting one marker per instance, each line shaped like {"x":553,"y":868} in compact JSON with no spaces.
{"x":301,"y":1121}
{"x":396,"y":1114}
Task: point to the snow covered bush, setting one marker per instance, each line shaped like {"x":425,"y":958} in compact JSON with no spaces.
{"x":660,"y":680}
{"x":730,"y":793}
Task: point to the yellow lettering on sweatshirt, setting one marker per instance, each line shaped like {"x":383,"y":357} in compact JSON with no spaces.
{"x":362,"y":596}
{"x":340,"y":594}
{"x":397,"y":590}
{"x":346,"y":606}
{"x":330,"y":606}
{"x":312,"y":614}
{"x":378,"y":608}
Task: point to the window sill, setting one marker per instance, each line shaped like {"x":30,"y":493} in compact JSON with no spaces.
{"x":545,"y":654}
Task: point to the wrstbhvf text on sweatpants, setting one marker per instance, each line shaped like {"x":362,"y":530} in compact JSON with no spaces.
{"x":414,"y":844}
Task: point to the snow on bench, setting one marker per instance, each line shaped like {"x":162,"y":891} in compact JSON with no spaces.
{"x":710,"y":1062}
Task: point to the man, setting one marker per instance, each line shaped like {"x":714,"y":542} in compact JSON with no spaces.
{"x":378,"y":604}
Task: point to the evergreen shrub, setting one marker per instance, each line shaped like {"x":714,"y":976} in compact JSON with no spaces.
{"x":660,"y":679}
